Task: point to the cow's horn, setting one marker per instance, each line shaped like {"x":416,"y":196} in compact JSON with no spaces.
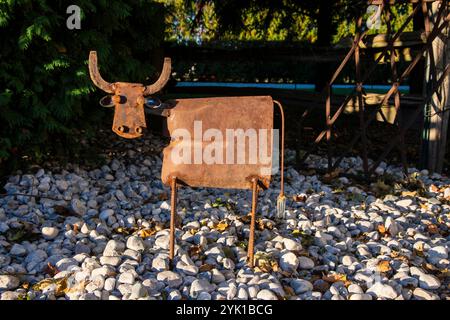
{"x":163,"y":78}
{"x":95,"y":74}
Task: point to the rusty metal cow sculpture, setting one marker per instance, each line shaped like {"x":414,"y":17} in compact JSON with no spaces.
{"x":216,"y":114}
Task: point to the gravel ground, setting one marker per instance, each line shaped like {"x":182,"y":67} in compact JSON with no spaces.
{"x":103,"y":234}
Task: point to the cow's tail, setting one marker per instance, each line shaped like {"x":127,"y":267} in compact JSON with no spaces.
{"x":281,"y":201}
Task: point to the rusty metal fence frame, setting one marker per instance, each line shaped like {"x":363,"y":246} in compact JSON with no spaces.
{"x":442,"y":21}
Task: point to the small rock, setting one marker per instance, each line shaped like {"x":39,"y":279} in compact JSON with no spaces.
{"x":436,"y":254}
{"x":360,"y":296}
{"x":391,"y":226}
{"x":160,"y":264}
{"x":18,"y":250}
{"x":138,"y":291}
{"x":292,"y":245}
{"x":162,"y":242}
{"x":8,"y":282}
{"x":200,"y":285}
{"x":114,"y":248}
{"x":49,"y":233}
{"x":301,"y":286}
{"x":405,"y":203}
{"x":136,"y":243}
{"x":111,"y":261}
{"x":266,"y":295}
{"x":305,"y":263}
{"x":429,"y":282}
{"x":348,"y":260}
{"x":127,"y":278}
{"x":289,"y":262}
{"x":10,"y":295}
{"x":110,"y":284}
{"x":421,"y":294}
{"x":382,"y":291}
{"x":78,"y":207}
{"x":171,"y":278}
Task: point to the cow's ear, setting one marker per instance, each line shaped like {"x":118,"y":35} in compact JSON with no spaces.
{"x":107,"y":101}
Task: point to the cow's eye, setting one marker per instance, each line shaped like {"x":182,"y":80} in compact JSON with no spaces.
{"x":119,"y":99}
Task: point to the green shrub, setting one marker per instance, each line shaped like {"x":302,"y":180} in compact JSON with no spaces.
{"x":46,"y":96}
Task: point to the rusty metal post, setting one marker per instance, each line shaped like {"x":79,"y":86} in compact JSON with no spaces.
{"x":251,"y":240}
{"x":359,"y":92}
{"x":328,"y":123}
{"x":394,"y":73}
{"x":395,"y":140}
{"x":394,"y":88}
{"x":173,"y":212}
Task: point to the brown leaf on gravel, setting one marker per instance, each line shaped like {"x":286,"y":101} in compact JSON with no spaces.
{"x":51,"y":270}
{"x":163,"y":196}
{"x":409,"y":193}
{"x":381,"y":229}
{"x":336,"y":277}
{"x":264,"y":224}
{"x":433,"y":188}
{"x":65,"y":211}
{"x":194,"y":250}
{"x":289,"y":291}
{"x":299,"y":198}
{"x":383,"y":266}
{"x":433,"y":229}
{"x":396,"y":255}
{"x":146,"y":233}
{"x":205,"y":267}
{"x":221,"y":226}
{"x":124,"y":231}
{"x":245,"y":219}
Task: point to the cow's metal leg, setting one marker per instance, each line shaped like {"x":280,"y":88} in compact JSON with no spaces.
{"x":173,"y":212}
{"x":251,"y":240}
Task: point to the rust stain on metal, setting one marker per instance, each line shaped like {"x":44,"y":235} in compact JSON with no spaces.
{"x":244,"y":113}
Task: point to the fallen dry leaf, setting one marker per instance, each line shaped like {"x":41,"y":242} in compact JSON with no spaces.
{"x":194,"y":250}
{"x":60,"y":289}
{"x":65,"y":211}
{"x":264,"y":224}
{"x":221,"y":226}
{"x":433,"y":229}
{"x":299,"y":198}
{"x":409,"y":193}
{"x":381,"y":229}
{"x":383,"y":266}
{"x":206,"y":267}
{"x":289,"y":291}
{"x":163,"y":196}
{"x":245,"y":219}
{"x":336,"y":277}
{"x":51,"y":270}
{"x":145,"y":233}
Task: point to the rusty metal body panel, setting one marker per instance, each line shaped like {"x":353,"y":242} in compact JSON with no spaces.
{"x":222,"y":114}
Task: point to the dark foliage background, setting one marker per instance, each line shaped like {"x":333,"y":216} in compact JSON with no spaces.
{"x":46,"y":105}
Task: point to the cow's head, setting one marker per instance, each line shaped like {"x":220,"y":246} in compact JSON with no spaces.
{"x":128,"y":99}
